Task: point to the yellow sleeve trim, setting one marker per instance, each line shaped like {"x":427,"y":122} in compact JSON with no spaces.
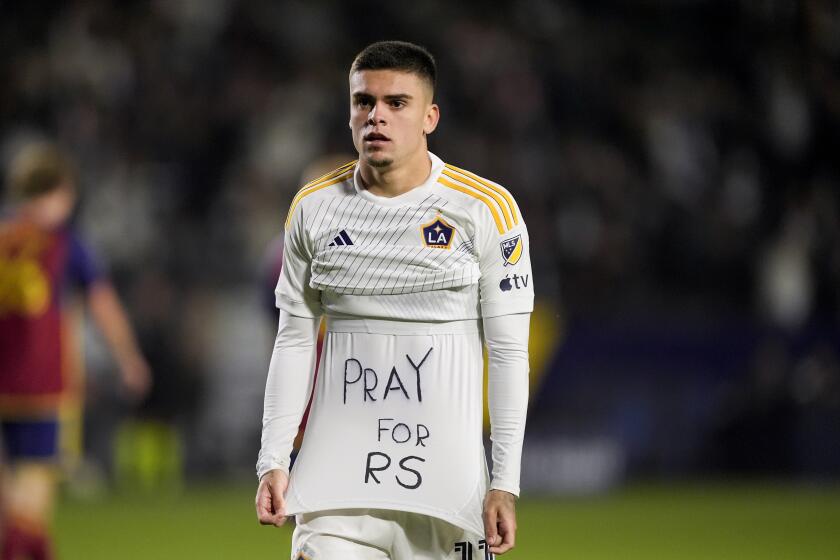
{"x":341,"y":174}
{"x":485,"y":190}
{"x":331,"y":174}
{"x":302,"y":194}
{"x":491,"y":186}
{"x":482,"y":198}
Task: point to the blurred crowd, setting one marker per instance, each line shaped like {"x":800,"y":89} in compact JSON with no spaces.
{"x":675,"y":160}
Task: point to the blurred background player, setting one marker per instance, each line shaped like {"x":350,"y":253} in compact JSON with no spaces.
{"x":41,"y":259}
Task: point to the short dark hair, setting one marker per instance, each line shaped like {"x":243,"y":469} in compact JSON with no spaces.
{"x":397,"y":55}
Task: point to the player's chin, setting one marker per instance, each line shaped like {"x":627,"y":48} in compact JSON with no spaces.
{"x":378,"y":160}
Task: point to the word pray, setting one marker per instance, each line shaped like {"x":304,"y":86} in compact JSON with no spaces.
{"x":355,"y":373}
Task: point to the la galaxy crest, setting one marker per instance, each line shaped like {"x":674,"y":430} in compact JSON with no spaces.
{"x":511,"y":250}
{"x":437,"y":234}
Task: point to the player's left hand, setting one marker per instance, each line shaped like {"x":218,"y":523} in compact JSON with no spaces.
{"x":136,"y":377}
{"x":500,"y":521}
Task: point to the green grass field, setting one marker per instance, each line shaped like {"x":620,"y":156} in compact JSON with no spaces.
{"x":679,"y":522}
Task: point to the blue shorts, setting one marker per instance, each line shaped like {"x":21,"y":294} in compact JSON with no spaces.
{"x":29,"y":439}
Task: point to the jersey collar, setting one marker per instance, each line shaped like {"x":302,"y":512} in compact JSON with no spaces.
{"x":417,"y":194}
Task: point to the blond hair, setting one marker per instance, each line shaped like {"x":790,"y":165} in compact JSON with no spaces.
{"x":39,"y":169}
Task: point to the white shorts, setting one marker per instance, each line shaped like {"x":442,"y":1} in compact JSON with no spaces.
{"x":375,"y":534}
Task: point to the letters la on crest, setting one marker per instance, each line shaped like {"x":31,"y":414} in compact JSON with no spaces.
{"x":438,"y":234}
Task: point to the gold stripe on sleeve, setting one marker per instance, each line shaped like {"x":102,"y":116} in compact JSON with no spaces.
{"x":330,"y":175}
{"x":490,"y":185}
{"x":493,"y":194}
{"x":482,"y":198}
{"x":309,"y":190}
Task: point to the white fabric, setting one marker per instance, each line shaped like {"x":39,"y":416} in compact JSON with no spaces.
{"x":507,"y":394}
{"x":370,"y":534}
{"x":396,"y":423}
{"x":287,"y":389}
{"x":389,"y":294}
{"x":389,"y":259}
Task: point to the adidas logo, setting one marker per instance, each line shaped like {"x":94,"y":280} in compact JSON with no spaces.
{"x":341,"y":239}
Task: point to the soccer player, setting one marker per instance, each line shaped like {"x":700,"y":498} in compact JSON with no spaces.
{"x":413,"y":262}
{"x":40,"y":259}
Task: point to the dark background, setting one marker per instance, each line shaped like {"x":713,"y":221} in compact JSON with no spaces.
{"x":676,"y":162}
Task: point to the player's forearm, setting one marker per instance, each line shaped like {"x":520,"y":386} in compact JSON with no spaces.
{"x":507,"y":353}
{"x":110,"y":317}
{"x":287,"y":389}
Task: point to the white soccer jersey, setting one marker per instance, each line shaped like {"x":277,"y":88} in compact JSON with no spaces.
{"x":403,"y":281}
{"x":453,"y":248}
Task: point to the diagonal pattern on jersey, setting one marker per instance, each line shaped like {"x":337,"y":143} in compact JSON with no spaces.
{"x":396,"y":269}
{"x":377,"y":264}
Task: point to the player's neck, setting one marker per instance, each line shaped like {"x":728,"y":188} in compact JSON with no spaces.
{"x":34,"y":214}
{"x":395,"y":180}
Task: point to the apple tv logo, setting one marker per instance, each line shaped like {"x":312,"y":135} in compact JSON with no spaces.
{"x":518,"y":282}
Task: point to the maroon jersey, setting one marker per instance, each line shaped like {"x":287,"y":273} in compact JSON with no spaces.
{"x":36,"y":267}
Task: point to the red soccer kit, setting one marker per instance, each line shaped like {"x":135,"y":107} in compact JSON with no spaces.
{"x":36,"y":267}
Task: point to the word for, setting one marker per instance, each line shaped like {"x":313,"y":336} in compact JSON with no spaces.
{"x":401,"y":433}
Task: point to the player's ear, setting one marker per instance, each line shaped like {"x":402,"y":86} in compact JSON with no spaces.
{"x":431,"y":119}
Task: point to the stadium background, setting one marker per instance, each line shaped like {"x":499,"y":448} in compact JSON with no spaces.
{"x":677,"y":165}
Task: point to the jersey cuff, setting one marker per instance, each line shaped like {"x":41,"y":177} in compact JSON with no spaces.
{"x":511,"y":307}
{"x":297,"y":308}
{"x":506,"y":487}
{"x":271,"y":465}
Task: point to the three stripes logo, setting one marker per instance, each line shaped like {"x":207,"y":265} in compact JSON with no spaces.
{"x":341,"y":239}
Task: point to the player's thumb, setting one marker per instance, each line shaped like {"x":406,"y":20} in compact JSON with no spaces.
{"x":278,"y":504}
{"x":277,"y":488}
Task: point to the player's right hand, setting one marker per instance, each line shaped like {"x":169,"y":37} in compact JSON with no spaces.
{"x":500,"y":521}
{"x":271,"y":501}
